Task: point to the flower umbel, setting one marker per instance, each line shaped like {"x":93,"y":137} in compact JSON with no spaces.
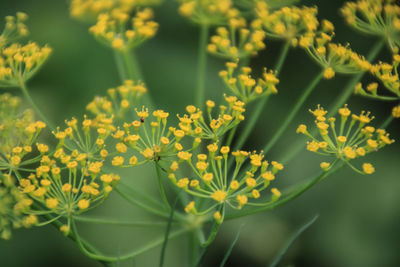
{"x":354,"y":138}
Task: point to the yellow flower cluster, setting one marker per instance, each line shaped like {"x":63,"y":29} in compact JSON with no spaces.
{"x":208,"y":12}
{"x":150,"y":137}
{"x":212,"y":181}
{"x":355,"y":137}
{"x":334,"y":58}
{"x":244,"y":86}
{"x":18,"y":63}
{"x":288,"y":23}
{"x":14,"y":29}
{"x":90,"y":9}
{"x":237,"y":41}
{"x":87,"y":139}
{"x":18,"y":132}
{"x":375,"y":17}
{"x":13,"y":207}
{"x":197,"y":125}
{"x":119,"y":99}
{"x":68,"y":184}
{"x":117,"y":30}
{"x":388,"y":75}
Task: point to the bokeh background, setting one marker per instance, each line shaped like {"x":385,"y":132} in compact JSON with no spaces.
{"x":359,"y":216}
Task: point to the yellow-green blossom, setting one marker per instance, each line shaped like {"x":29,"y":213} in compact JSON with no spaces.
{"x":353,"y":138}
{"x":375,"y":17}
{"x":210,"y":179}
{"x":244,"y":86}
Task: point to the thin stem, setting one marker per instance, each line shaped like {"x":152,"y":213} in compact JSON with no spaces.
{"x":34,"y":106}
{"x":262,"y":102}
{"x":169,"y":224}
{"x":141,"y":205}
{"x":386,"y":122}
{"x":231,"y":135}
{"x":282,"y":57}
{"x":116,"y":222}
{"x":202,"y":65}
{"x":296,"y":148}
{"x":161,"y":187}
{"x":293,"y":112}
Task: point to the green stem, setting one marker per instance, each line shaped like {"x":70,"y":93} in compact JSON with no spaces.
{"x":341,"y":100}
{"x":193,"y":248}
{"x":231,"y":135}
{"x":381,"y":97}
{"x":262,"y":102}
{"x":141,"y":205}
{"x":119,"y":61}
{"x":202,"y":65}
{"x":282,"y":57}
{"x":34,"y":106}
{"x":161,"y":187}
{"x":127,"y":256}
{"x":293,"y":112}
{"x":386,"y":122}
{"x":296,"y":148}
{"x":132,"y":66}
{"x":290,"y":196}
{"x":117,"y":223}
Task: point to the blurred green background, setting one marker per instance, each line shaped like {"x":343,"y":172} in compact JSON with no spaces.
{"x":359,"y":215}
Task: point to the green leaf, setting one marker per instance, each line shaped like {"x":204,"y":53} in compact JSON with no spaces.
{"x":291,"y":241}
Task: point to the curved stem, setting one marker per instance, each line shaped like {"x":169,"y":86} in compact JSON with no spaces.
{"x":127,"y":256}
{"x":28,"y":97}
{"x":262,"y":102}
{"x":202,"y":65}
{"x":341,"y":100}
{"x":293,"y":112}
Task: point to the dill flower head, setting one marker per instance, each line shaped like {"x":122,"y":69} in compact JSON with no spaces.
{"x":333,"y":58}
{"x":13,"y":207}
{"x":119,"y":100}
{"x":210,"y":127}
{"x":14,"y":29}
{"x":86,"y":139}
{"x":375,"y":17}
{"x":237,"y":40}
{"x":208,"y":12}
{"x":67,"y":184}
{"x":88,"y":10}
{"x":120,"y":32}
{"x":287,"y":23}
{"x":353,"y":138}
{"x":147,"y":138}
{"x":18,"y":63}
{"x":211,"y":180}
{"x":387,"y":74}
{"x":244,"y":86}
{"x":18,"y":132}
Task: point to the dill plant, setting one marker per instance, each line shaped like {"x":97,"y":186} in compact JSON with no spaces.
{"x":204,"y":171}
